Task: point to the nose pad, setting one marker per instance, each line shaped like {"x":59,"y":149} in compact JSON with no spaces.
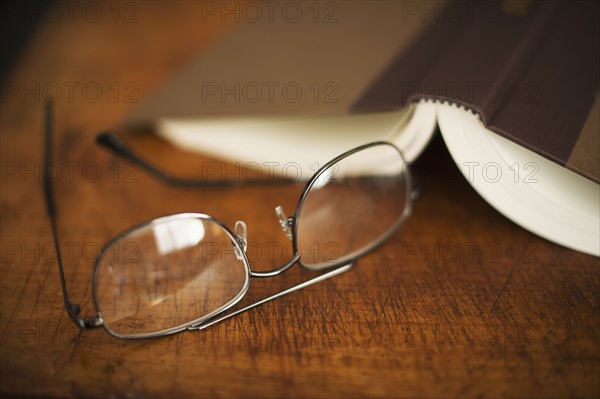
{"x":284,"y":221}
{"x":241,"y":235}
{"x":417,"y":188}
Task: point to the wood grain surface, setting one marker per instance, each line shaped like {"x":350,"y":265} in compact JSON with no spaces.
{"x":460,"y":302}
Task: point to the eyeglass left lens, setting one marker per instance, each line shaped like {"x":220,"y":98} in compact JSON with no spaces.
{"x":352,"y":205}
{"x":165,"y":275}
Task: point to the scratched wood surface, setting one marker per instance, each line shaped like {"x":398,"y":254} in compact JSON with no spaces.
{"x":460,"y":302}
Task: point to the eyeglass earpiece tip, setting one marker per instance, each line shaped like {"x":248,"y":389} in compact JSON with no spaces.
{"x":110,"y":140}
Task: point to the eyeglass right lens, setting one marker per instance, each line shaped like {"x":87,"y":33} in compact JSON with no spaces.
{"x":352,"y":206}
{"x":167,"y":274}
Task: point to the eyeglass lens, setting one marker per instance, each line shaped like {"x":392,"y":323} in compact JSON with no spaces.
{"x":352,"y":206}
{"x":167,"y":274}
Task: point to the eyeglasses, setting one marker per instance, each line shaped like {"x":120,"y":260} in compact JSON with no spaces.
{"x":190,"y":269}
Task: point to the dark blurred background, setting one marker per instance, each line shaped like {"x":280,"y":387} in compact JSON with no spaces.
{"x":18,"y":22}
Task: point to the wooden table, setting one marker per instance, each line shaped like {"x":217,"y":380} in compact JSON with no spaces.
{"x":460,"y":302}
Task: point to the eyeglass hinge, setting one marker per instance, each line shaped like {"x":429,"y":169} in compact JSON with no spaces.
{"x":95,"y":321}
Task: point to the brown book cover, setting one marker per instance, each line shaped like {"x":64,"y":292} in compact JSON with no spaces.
{"x":531,"y":72}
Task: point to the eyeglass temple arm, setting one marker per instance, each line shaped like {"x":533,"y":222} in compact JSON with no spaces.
{"x":324,"y":276}
{"x":114,"y":143}
{"x":73,"y":309}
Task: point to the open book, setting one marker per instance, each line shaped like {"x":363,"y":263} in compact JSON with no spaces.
{"x":513,"y":87}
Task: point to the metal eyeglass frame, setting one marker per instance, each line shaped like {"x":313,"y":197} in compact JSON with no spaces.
{"x":238,"y":238}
